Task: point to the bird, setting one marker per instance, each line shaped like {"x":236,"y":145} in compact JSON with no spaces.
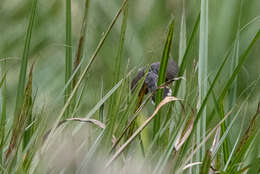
{"x":150,"y":84}
{"x":150,"y":81}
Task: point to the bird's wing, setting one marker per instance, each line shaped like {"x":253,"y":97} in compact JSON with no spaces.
{"x":140,"y":74}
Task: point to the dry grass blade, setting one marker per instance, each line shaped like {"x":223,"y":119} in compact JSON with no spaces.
{"x":80,"y":52}
{"x":191,"y":165}
{"x":81,"y":43}
{"x":203,"y":142}
{"x":93,"y":121}
{"x":89,"y":120}
{"x":86,"y":120}
{"x":214,"y":145}
{"x":28,"y":104}
{"x":185,"y":133}
{"x":215,"y":141}
{"x":250,"y":128}
{"x":138,"y":131}
{"x":139,"y":110}
{"x":131,"y":121}
{"x":23,"y":117}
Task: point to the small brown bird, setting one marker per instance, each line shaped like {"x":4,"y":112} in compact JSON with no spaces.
{"x":150,"y":82}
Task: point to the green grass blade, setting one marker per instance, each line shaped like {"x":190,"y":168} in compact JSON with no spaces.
{"x":101,"y":110}
{"x":206,"y":164}
{"x":212,"y":86}
{"x":131,"y":108}
{"x":178,"y":136}
{"x":242,"y":59}
{"x":183,"y":37}
{"x":202,"y":75}
{"x":185,"y":56}
{"x":234,"y":60}
{"x":224,"y":135}
{"x":254,"y":162}
{"x":121,"y":45}
{"x":162,"y":74}
{"x":182,"y":47}
{"x":227,"y":86}
{"x":3,"y":112}
{"x":25,"y":57}
{"x":114,"y":105}
{"x":3,"y":80}
{"x":68,"y":57}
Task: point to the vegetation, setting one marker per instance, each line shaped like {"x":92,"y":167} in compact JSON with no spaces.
{"x":65,"y":100}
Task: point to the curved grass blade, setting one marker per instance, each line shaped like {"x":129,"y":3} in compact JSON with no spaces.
{"x":190,"y":155}
{"x":139,"y":130}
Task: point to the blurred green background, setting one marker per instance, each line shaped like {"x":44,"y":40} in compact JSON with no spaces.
{"x":147,"y":26}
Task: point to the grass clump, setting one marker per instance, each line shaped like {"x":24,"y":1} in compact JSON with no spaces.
{"x":95,"y":122}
